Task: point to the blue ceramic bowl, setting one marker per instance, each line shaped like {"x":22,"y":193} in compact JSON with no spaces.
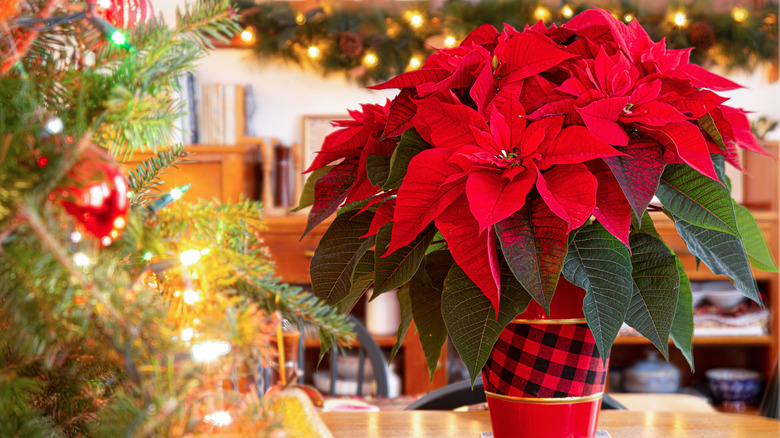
{"x":734,"y":384}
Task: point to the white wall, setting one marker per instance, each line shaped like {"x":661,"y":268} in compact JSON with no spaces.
{"x":285,"y":93}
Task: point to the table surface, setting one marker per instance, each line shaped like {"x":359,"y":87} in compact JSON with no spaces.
{"x":619,"y":424}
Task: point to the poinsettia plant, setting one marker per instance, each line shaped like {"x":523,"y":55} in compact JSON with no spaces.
{"x":523,"y":156}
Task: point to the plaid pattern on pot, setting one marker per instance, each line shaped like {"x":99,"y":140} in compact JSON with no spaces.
{"x":545,"y":361}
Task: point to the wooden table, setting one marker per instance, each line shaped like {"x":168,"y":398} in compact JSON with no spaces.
{"x":619,"y":424}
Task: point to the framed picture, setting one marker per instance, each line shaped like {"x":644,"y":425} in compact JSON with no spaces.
{"x":315,"y":129}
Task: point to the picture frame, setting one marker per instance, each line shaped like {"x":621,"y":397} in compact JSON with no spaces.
{"x":314,"y":129}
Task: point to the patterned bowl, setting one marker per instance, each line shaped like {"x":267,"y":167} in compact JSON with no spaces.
{"x":734,"y":384}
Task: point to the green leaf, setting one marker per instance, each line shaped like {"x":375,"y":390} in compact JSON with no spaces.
{"x":697,"y":199}
{"x":682,"y":327}
{"x":707,"y":123}
{"x":753,"y":239}
{"x":377,"y":169}
{"x":437,"y":244}
{"x":307,"y":194}
{"x":398,"y":268}
{"x":410,"y":145}
{"x":362,"y":279}
{"x":599,"y":263}
{"x":337,"y":254}
{"x":405,"y":302}
{"x":471,"y":319}
{"x":534,"y":242}
{"x":656,"y":282}
{"x":723,"y":253}
{"x":426,"y":290}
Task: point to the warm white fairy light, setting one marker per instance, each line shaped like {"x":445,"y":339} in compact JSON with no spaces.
{"x":75,"y":237}
{"x":189,"y":257}
{"x":300,"y":19}
{"x":105,"y":4}
{"x":147,"y":256}
{"x":450,"y":41}
{"x":739,"y":14}
{"x":370,"y":60}
{"x":205,"y":251}
{"x":81,"y":260}
{"x":247,"y":36}
{"x":416,"y":20}
{"x":314,"y":52}
{"x":187,"y":334}
{"x":191,"y":296}
{"x":680,"y":19}
{"x":54,"y":125}
{"x":567,"y":11}
{"x":415,"y":63}
{"x":628,"y":18}
{"x":106,"y":241}
{"x":541,"y":13}
{"x":209,"y":351}
{"x":176,"y":193}
{"x":219,"y":418}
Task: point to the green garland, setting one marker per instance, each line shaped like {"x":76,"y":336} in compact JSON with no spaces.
{"x":345,"y":38}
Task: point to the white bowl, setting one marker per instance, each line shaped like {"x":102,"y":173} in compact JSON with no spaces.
{"x":698,"y":297}
{"x":725,"y":299}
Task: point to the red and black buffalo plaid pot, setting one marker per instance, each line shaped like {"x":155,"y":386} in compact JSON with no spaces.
{"x":545,"y":377}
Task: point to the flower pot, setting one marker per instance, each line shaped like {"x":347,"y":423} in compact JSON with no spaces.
{"x":545,"y":377}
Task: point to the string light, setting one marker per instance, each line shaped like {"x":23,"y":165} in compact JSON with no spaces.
{"x":81,"y":260}
{"x":187,"y":334}
{"x":209,"y":351}
{"x":416,"y":20}
{"x":370,"y":60}
{"x":542,"y":13}
{"x":205,"y":251}
{"x":189,"y":257}
{"x":177,"y":193}
{"x":219,"y":418}
{"x":628,"y":18}
{"x":105,"y":241}
{"x":680,"y":19}
{"x":300,"y":19}
{"x":415,"y":63}
{"x":147,"y":256}
{"x":739,"y":14}
{"x":247,"y":36}
{"x":54,"y":125}
{"x":119,"y":223}
{"x":191,"y":297}
{"x":75,"y":237}
{"x":314,"y":52}
{"x":567,"y":11}
{"x":450,"y":41}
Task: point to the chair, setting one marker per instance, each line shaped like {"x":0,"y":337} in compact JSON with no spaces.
{"x":461,"y":393}
{"x":367,"y":348}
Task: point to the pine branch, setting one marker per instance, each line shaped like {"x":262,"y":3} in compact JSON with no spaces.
{"x":145,"y":177}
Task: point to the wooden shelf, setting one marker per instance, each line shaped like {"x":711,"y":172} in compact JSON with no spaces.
{"x":382,"y":341}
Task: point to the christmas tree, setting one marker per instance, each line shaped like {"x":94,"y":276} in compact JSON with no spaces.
{"x":123,"y":312}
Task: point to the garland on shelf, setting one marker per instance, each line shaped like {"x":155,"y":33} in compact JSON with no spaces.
{"x":371,"y":44}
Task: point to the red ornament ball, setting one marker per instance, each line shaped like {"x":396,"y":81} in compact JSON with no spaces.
{"x":98,"y":200}
{"x":126,"y":13}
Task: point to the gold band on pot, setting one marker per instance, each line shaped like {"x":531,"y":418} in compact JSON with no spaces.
{"x":549,"y":321}
{"x":548,"y":400}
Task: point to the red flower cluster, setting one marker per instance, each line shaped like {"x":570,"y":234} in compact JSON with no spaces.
{"x":553,"y":124}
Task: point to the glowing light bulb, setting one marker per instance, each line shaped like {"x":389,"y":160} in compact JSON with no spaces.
{"x":81,"y":260}
{"x":209,"y":351}
{"x":247,"y":36}
{"x":541,"y":13}
{"x":105,"y":4}
{"x":75,"y":237}
{"x":54,"y":125}
{"x":205,"y":251}
{"x":370,"y":60}
{"x":105,"y":241}
{"x":219,"y":418}
{"x":415,"y":63}
{"x":300,"y":19}
{"x":147,"y":256}
{"x":118,"y":38}
{"x":190,"y":296}
{"x":450,"y":41}
{"x":113,"y":234}
{"x":314,"y":52}
{"x":567,"y":11}
{"x":416,"y":20}
{"x":187,"y":334}
{"x":628,"y":18}
{"x":739,"y":14}
{"x":176,"y":193}
{"x":680,"y":19}
{"x":119,"y":223}
{"x":189,"y":257}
